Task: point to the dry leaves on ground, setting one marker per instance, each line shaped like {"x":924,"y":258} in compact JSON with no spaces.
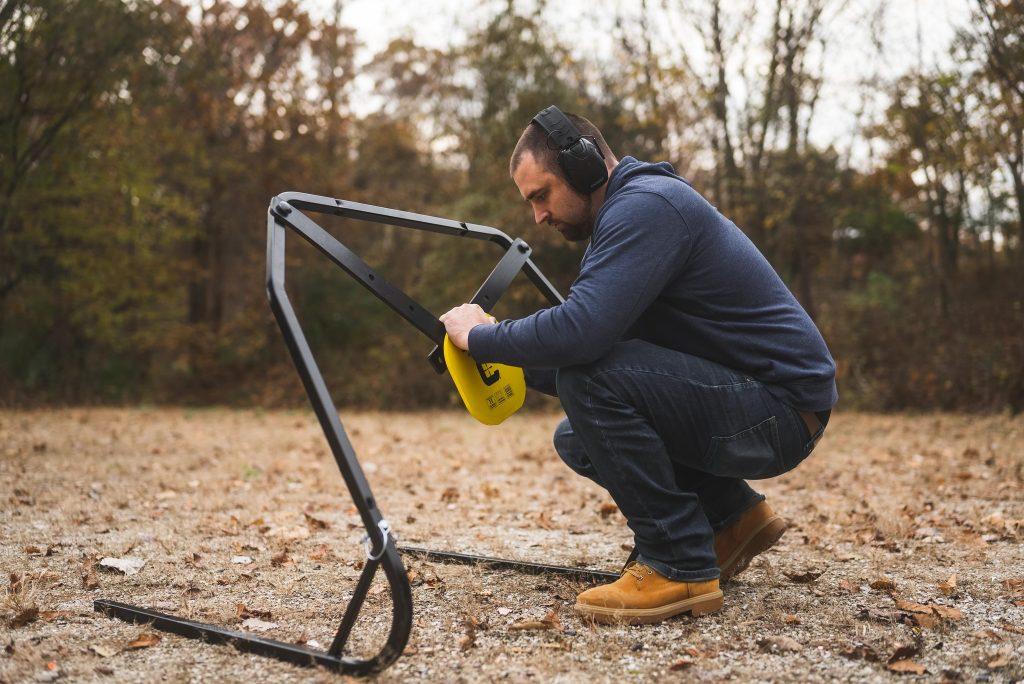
{"x":896,"y":564}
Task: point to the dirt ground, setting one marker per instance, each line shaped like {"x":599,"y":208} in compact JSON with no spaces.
{"x":904,"y":554}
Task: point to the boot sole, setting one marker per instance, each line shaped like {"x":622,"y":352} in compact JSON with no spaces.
{"x":760,"y":541}
{"x":698,"y":605}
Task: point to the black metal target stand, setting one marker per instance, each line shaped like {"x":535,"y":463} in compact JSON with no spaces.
{"x":286,"y":213}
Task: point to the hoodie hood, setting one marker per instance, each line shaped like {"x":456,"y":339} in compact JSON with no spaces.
{"x":630,"y":167}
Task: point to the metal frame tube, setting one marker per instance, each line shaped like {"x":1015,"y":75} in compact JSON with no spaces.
{"x":286,"y":213}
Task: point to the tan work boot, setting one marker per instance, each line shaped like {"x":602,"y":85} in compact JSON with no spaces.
{"x":642,"y":596}
{"x":754,"y":532}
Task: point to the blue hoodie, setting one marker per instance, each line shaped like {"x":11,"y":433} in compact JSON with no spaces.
{"x":665,"y":266}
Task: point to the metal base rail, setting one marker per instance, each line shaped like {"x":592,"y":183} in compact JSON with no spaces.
{"x":286,"y":213}
{"x":525,"y":567}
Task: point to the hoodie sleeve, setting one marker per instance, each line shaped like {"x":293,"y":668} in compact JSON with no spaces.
{"x":639,"y":245}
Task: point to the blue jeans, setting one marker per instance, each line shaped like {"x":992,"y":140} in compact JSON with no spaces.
{"x":672,"y":437}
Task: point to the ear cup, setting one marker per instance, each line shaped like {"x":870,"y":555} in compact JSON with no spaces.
{"x":580,"y":159}
{"x":583,"y":164}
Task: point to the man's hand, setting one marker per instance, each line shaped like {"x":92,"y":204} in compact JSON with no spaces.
{"x":460,"y":320}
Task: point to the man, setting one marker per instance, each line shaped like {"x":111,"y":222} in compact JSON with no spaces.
{"x":684,"y":365}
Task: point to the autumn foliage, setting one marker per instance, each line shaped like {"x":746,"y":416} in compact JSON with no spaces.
{"x":140,"y":144}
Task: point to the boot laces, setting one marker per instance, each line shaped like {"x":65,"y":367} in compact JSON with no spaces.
{"x":638,"y":570}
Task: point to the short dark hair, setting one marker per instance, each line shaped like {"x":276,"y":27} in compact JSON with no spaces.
{"x":535,"y":141}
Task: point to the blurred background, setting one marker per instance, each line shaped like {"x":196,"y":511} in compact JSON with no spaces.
{"x":872,"y":149}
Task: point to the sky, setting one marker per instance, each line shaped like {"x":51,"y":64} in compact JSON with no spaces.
{"x":914,"y":31}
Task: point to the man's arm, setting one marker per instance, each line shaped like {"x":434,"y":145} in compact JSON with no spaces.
{"x":460,"y":320}
{"x":642,"y":244}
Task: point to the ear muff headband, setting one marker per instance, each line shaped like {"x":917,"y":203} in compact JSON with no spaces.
{"x":560,"y":130}
{"x":580,"y":158}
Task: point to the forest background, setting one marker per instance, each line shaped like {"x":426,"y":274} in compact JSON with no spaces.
{"x":141,"y":142}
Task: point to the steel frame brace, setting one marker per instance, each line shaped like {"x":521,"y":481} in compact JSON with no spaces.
{"x":286,"y":213}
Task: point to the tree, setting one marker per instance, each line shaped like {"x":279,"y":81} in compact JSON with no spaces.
{"x":928,"y":132}
{"x":54,"y":72}
{"x":991,"y":47}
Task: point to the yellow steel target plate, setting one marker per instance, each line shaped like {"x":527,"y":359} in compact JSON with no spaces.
{"x":491,"y":392}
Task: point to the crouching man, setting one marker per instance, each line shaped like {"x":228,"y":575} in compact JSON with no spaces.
{"x":684,"y":365}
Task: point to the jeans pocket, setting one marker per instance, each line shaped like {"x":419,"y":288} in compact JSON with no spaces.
{"x":750,"y":454}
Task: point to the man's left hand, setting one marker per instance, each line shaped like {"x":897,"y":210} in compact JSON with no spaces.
{"x":460,"y":320}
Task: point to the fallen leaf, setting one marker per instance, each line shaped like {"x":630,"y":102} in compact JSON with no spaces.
{"x":911,"y":607}
{"x":552,"y":621}
{"x":906,"y":667}
{"x":258,"y":625}
{"x":144,"y":640}
{"x":987,"y":634}
{"x":949,"y":585}
{"x":529,"y":624}
{"x":804,"y":576}
{"x":51,"y":615}
{"x":24,"y":616}
{"x":243,"y":612}
{"x":904,"y":651}
{"x":129,"y":565}
{"x":780,"y":644}
{"x":34,"y":550}
{"x":998,"y":662}
{"x":1014,"y":584}
{"x":883,"y":584}
{"x":468,"y":640}
{"x":859,"y":652}
{"x":680,"y":664}
{"x":544,"y":520}
{"x":1016,"y":629}
{"x":322,"y":552}
{"x":316,"y":523}
{"x":925,"y":621}
{"x":947,"y":612}
{"x":471,"y":622}
{"x":104,"y":650}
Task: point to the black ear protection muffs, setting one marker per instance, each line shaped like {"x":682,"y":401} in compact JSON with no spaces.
{"x":580,"y":158}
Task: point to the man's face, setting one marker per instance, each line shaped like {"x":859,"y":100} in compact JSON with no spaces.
{"x":553,"y":200}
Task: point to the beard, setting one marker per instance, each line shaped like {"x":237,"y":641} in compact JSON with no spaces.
{"x":580,"y":224}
